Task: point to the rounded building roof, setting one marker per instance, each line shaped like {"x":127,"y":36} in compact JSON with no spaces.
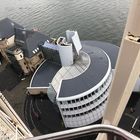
{"x":99,"y":53}
{"x":97,"y":70}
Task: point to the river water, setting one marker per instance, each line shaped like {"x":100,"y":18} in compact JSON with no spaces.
{"x":93,"y":19}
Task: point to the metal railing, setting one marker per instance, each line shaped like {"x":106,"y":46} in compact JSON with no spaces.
{"x":111,"y":131}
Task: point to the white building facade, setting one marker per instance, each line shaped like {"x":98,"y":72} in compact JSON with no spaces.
{"x":87,"y":107}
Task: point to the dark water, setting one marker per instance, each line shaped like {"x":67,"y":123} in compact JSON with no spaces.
{"x":93,"y":19}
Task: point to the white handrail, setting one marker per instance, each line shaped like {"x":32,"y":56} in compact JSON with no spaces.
{"x":82,"y":131}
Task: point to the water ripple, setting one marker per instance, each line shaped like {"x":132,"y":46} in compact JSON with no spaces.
{"x":94,"y":19}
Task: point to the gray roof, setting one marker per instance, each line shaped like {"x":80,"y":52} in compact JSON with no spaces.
{"x":32,"y":42}
{"x":7,"y":28}
{"x":110,"y":49}
{"x":91,"y":77}
{"x":45,"y":74}
{"x":29,"y":40}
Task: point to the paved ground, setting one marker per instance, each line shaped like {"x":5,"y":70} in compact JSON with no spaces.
{"x":13,"y":88}
{"x":8,"y":78}
{"x":131,"y":113}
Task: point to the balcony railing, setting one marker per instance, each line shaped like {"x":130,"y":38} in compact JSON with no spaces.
{"x":113,"y":133}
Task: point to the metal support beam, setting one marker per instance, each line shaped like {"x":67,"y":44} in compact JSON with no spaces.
{"x":127,"y":69}
{"x":7,"y":108}
{"x":87,"y":130}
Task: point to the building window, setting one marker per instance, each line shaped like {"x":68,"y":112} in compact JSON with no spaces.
{"x":83,"y":105}
{"x":75,"y":108}
{"x":71,"y":109}
{"x":77,"y":100}
{"x":90,"y":111}
{"x":96,"y":90}
{"x":69,"y":102}
{"x":91,"y":102}
{"x":82,"y":98}
{"x":73,"y":101}
{"x":79,"y":107}
{"x":89,"y":95}
{"x":85,"y":113}
{"x":85,"y":97}
{"x":81,"y":114}
{"x":77,"y":115}
{"x":73,"y":115}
